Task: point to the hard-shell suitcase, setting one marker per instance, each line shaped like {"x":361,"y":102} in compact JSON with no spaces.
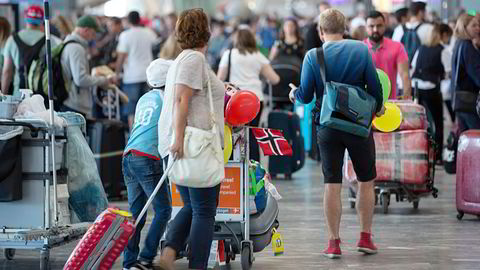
{"x":107,"y":141}
{"x":107,"y":237}
{"x":468,"y":174}
{"x":289,"y":123}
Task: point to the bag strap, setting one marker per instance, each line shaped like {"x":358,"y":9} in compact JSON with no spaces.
{"x":418,"y":26}
{"x":321,"y":63}
{"x":209,"y":89}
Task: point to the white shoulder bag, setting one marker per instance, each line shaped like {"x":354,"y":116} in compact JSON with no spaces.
{"x":202,"y":164}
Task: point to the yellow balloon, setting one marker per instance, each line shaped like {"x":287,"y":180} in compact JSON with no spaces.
{"x":228,"y":147}
{"x":391,"y":120}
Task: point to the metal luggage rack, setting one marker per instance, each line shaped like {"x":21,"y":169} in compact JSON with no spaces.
{"x":409,"y":192}
{"x":37,"y":229}
{"x":233,"y":225}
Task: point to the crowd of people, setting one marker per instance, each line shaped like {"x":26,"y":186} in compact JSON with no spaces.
{"x":169,"y":66}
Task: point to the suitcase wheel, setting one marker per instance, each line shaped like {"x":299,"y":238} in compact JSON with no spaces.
{"x":460,"y":215}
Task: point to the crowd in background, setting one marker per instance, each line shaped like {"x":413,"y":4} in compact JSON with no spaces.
{"x":277,"y":39}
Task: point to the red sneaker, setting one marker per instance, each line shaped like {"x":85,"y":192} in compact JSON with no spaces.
{"x":365,"y":244}
{"x":333,"y":250}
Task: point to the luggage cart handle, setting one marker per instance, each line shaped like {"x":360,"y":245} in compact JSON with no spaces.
{"x":33,"y":130}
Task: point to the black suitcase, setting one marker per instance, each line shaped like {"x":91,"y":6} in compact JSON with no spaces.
{"x":289,"y":123}
{"x":107,"y":141}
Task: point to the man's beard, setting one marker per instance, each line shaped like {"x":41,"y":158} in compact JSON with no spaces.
{"x":376,"y":37}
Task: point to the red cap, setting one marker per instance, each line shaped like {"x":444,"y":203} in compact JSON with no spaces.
{"x":34,"y":14}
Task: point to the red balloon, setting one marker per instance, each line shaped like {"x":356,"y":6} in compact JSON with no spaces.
{"x":242,"y":108}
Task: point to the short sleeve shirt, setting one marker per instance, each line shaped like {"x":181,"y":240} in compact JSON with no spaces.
{"x":387,"y":56}
{"x":245,"y":70}
{"x":137,"y":43}
{"x":191,"y":69}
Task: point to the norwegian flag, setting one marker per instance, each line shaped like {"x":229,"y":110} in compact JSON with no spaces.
{"x":272,"y":142}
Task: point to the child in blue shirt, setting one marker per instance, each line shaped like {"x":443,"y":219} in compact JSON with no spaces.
{"x":142,"y":169}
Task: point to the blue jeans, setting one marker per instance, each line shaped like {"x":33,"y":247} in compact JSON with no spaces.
{"x":134,"y":91}
{"x":195,"y":221}
{"x":141,"y":175}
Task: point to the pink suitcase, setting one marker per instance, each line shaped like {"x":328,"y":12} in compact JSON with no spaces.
{"x":468,"y":174}
{"x":413,"y":115}
{"x":401,"y":156}
{"x":107,"y":238}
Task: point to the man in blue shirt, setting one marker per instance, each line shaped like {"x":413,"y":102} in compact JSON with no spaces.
{"x":347,"y":62}
{"x":142,"y":169}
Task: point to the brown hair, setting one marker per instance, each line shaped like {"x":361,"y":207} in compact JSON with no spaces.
{"x":63,"y":25}
{"x":461,"y":31}
{"x":332,"y":21}
{"x":192,"y":29}
{"x":435,"y":37}
{"x":170,"y":50}
{"x":5,"y":30}
{"x":245,"y":41}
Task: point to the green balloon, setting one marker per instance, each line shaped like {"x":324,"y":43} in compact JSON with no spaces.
{"x":386,"y":84}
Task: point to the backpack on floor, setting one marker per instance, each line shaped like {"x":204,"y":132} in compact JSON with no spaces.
{"x":28,"y":54}
{"x":411,"y":41}
{"x":38,"y":77}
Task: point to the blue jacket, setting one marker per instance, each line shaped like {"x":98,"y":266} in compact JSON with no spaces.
{"x":469,"y":71}
{"x":346,"y":61}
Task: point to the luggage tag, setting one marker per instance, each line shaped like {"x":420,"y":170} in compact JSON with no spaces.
{"x":277,"y":243}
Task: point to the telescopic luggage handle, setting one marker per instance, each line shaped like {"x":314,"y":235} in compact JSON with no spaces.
{"x":154,"y":193}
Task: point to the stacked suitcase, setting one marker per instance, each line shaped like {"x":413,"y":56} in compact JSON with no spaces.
{"x":404,"y":159}
{"x":468,"y":174}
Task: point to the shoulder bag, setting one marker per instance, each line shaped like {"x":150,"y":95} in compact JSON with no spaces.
{"x":345,"y":107}
{"x":202,"y":164}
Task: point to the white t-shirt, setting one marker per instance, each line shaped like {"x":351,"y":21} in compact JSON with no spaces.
{"x":424,"y":32}
{"x":137,"y":42}
{"x":191,"y":69}
{"x":245,"y":70}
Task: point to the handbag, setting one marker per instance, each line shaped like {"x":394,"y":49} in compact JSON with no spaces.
{"x":345,"y":107}
{"x":463,"y":101}
{"x":202,"y":164}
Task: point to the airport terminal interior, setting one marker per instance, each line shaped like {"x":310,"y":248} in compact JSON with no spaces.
{"x":333,"y":158}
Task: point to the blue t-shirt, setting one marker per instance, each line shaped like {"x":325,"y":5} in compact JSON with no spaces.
{"x":346,"y":61}
{"x":144,"y":135}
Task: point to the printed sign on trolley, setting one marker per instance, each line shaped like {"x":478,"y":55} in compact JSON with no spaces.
{"x":230,"y":206}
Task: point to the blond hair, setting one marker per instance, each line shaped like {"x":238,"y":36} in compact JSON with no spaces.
{"x":435,"y":37}
{"x":171,"y":49}
{"x":332,"y":21}
{"x":461,"y":31}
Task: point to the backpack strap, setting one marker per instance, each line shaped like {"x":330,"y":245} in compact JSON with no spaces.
{"x":418,"y":26}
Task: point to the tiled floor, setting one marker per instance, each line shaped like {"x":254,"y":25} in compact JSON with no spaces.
{"x":428,"y":238}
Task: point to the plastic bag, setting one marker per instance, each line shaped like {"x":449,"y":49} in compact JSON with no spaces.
{"x":34,"y":108}
{"x":87,"y":196}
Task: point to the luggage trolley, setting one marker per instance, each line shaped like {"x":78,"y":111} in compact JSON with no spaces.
{"x":411,"y":192}
{"x":36,"y":227}
{"x":243,"y":234}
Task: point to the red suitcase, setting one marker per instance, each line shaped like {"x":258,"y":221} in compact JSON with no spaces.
{"x":468,"y":174}
{"x":413,"y":115}
{"x":401,"y":156}
{"x":107,"y":238}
